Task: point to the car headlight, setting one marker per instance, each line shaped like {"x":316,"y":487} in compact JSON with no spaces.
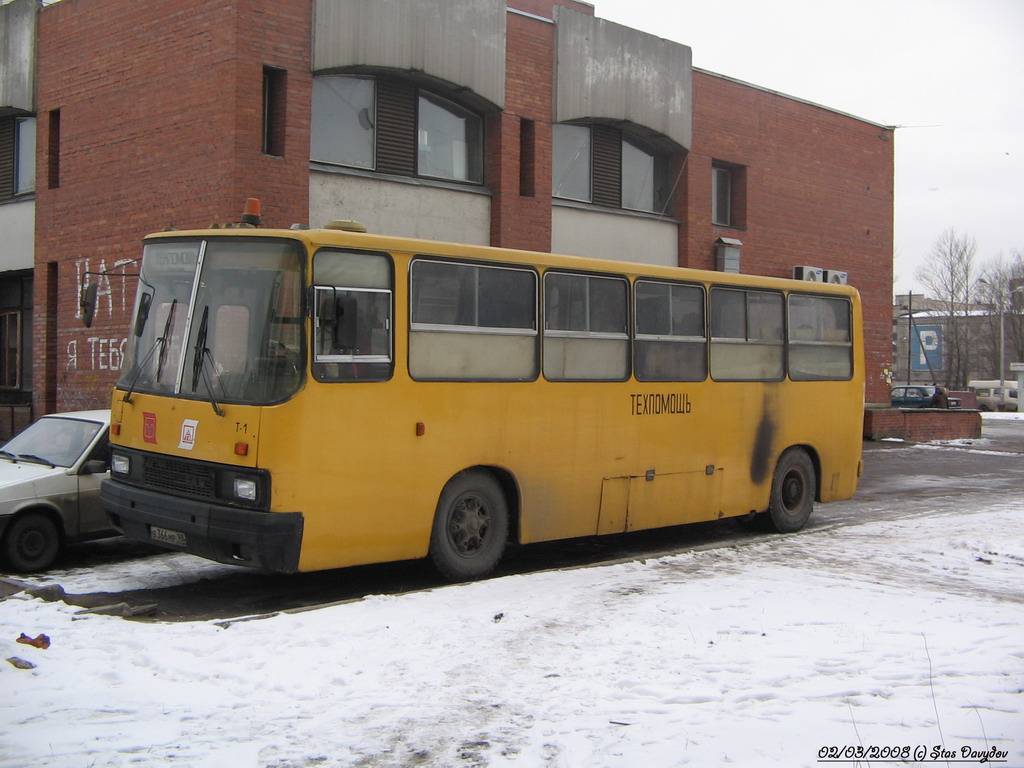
{"x":245,"y":489}
{"x":119,"y":464}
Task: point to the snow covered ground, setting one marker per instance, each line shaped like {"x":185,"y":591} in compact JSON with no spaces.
{"x":906,"y":636}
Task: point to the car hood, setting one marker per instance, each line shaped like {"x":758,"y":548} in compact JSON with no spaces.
{"x":18,"y":480}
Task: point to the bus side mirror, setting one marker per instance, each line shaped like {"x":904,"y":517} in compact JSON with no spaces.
{"x":145,"y":301}
{"x":87,"y":302}
{"x":345,"y":324}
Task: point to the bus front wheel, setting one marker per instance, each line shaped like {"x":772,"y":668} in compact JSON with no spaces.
{"x":470,"y":527}
{"x":793,"y":487}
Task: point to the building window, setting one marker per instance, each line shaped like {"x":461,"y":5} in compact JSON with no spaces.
{"x":17,"y":156}
{"x":10,"y":350}
{"x":728,"y":195}
{"x":599,"y":164}
{"x":53,"y":151}
{"x":721,"y":196}
{"x":24,"y":155}
{"x":344,"y":118}
{"x":275,"y":83}
{"x":639,"y":178}
{"x":527,"y":157}
{"x":570,"y":162}
{"x":391,"y":126}
{"x":449,"y":140}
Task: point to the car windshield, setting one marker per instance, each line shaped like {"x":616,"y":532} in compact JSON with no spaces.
{"x":52,"y":440}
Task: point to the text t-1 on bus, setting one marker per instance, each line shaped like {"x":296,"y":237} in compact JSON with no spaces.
{"x":296,"y":400}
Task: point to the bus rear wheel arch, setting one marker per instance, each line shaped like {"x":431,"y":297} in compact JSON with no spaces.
{"x":470,"y":527}
{"x":794,"y":486}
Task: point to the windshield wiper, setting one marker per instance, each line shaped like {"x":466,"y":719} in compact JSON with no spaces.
{"x":161,"y":343}
{"x":38,"y":459}
{"x":9,"y":455}
{"x":199,"y":357}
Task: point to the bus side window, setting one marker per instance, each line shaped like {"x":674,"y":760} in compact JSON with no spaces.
{"x":670,"y":337}
{"x":820,"y":343}
{"x":585,"y":327}
{"x":472,"y":322}
{"x":352,"y":316}
{"x":747,"y":341}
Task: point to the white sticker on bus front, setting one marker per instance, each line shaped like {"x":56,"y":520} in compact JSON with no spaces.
{"x":188,"y":434}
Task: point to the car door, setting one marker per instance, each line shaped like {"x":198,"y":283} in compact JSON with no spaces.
{"x":92,"y":519}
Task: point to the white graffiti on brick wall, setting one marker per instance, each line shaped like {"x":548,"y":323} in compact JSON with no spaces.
{"x":111,"y":284}
{"x":96,"y":353}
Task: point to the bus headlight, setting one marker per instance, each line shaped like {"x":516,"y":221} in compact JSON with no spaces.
{"x":119,"y":464}
{"x":246,"y":489}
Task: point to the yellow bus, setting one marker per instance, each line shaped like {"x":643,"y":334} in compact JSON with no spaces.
{"x":304,"y":399}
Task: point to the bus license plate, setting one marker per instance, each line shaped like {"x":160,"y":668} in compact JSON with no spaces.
{"x":167,"y":537}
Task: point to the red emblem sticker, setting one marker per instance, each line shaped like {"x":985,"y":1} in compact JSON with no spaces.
{"x":149,"y":427}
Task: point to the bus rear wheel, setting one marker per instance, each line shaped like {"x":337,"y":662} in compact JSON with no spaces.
{"x":470,"y":527}
{"x":793,"y":487}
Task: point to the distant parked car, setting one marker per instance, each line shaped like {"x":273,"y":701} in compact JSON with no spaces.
{"x":917,"y":397}
{"x":995,"y":395}
{"x":50,"y":478}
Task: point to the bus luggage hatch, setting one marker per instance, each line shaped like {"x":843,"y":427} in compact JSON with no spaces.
{"x":653,"y":499}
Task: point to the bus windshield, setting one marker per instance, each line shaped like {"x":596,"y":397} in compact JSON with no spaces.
{"x":218,"y":319}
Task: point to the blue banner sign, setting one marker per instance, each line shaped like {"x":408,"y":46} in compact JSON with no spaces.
{"x":926,"y":348}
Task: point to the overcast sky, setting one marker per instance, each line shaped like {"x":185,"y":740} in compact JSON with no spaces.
{"x":950,"y":72}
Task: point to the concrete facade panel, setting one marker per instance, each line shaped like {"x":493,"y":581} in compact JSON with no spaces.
{"x":17,"y":222}
{"x":458,"y":41}
{"x":596,"y":234}
{"x":401,"y":209}
{"x":18,"y":55}
{"x":607,"y":71}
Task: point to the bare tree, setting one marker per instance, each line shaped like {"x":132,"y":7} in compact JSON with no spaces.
{"x":1001,"y":286}
{"x":948,"y":274}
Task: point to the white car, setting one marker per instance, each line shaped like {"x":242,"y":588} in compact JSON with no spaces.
{"x":50,"y":477}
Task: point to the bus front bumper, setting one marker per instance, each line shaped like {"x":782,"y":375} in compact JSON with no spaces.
{"x":265,"y":540}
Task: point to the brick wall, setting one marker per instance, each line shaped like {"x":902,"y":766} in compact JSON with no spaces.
{"x":160,"y":117}
{"x":160,"y":124}
{"x":921,"y":424}
{"x":819,"y":191}
{"x":519,"y":139}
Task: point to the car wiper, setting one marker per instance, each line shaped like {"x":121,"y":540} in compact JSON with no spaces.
{"x":37,"y":459}
{"x":161,"y":344}
{"x":9,"y":455}
{"x":200,"y":354}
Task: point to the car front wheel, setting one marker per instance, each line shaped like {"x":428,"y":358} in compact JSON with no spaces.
{"x":31,"y":543}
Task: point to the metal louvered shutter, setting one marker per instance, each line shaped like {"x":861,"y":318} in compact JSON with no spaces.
{"x":396,"y":127}
{"x":607,"y":181}
{"x":6,"y":157}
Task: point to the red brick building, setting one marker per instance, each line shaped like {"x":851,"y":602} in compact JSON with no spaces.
{"x":547,"y":128}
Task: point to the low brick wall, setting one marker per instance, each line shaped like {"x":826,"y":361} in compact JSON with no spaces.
{"x":920,"y":425}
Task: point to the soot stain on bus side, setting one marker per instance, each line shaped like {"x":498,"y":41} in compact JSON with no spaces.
{"x":761,"y":458}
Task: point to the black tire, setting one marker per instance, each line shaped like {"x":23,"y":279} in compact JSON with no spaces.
{"x":31,"y":543}
{"x":470,"y":527}
{"x":793,"y":488}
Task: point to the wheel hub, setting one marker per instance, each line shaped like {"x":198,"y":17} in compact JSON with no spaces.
{"x":468,"y":526}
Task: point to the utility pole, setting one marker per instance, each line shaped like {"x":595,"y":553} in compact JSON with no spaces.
{"x":910,"y":330}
